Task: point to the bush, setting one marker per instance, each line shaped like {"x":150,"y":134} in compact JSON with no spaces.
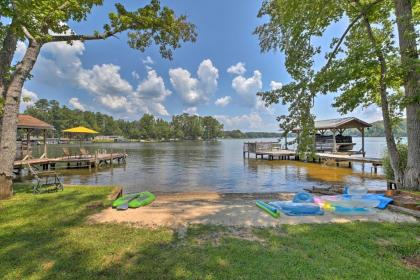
{"x":402,"y":151}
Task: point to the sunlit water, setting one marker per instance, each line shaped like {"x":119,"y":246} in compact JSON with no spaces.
{"x":217,"y":166}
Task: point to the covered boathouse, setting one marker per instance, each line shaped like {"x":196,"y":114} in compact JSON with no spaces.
{"x":28,"y":125}
{"x":330,"y":135}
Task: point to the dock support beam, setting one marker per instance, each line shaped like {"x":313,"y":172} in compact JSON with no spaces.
{"x":334,"y":149}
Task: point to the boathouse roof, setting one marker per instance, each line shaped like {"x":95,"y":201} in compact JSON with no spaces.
{"x":29,"y":122}
{"x":340,"y":123}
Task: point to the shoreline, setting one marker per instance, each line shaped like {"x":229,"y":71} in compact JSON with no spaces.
{"x":179,"y":210}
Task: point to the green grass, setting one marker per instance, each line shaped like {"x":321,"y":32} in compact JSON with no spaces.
{"x":46,"y":237}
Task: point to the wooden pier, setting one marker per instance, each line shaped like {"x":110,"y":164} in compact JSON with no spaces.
{"x":67,"y":162}
{"x":272,"y":151}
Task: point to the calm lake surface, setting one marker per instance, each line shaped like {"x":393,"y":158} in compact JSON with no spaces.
{"x":217,"y":166}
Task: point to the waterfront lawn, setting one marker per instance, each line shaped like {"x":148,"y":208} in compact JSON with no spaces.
{"x":47,"y":237}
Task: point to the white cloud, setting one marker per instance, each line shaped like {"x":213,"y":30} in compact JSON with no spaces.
{"x":208,"y":75}
{"x":195,"y":90}
{"x":75,"y":102}
{"x":185,"y":85}
{"x":135,"y":75}
{"x":244,"y":122}
{"x":104,"y":79}
{"x":28,"y":99}
{"x":191,"y":110}
{"x":275,"y":85}
{"x":110,"y":91}
{"x":237,"y":69}
{"x":148,"y":60}
{"x":247,"y":88}
{"x":223,"y":101}
{"x":369,"y":114}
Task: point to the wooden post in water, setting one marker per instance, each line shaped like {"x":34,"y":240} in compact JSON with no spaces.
{"x":111,"y":158}
{"x":96,"y":160}
{"x":45,"y":143}
{"x":334,"y":149}
{"x":363,"y":142}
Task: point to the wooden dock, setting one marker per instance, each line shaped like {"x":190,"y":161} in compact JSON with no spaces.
{"x":272,"y":151}
{"x":86,"y":161}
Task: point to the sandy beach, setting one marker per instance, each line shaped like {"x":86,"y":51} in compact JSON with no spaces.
{"x":176,"y":210}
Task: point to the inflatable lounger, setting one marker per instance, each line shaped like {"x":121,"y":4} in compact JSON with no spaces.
{"x":383,"y":200}
{"x":297,"y":209}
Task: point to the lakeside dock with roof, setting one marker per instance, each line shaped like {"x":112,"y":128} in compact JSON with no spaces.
{"x":28,"y":125}
{"x":334,"y":147}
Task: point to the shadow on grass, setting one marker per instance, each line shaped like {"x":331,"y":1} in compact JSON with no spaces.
{"x":45,"y":236}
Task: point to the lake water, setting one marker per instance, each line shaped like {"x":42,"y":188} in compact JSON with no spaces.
{"x":217,"y":166}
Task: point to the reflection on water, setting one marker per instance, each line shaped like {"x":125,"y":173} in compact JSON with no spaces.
{"x":215,"y":166}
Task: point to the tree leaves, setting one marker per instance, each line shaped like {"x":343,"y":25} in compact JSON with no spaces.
{"x":353,"y":69}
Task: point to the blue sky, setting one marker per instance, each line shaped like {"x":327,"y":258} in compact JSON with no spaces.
{"x":109,"y":77}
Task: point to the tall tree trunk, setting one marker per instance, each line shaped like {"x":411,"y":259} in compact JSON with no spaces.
{"x":7,"y":52}
{"x":409,"y":60}
{"x":9,"y":120}
{"x":389,"y":135}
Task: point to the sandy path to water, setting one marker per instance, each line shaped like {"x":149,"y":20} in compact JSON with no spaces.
{"x":181,"y":209}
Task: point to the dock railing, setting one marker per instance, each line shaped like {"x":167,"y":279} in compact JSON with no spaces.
{"x":257,"y":147}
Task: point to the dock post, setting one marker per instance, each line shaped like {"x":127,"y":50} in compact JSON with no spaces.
{"x":110,"y":161}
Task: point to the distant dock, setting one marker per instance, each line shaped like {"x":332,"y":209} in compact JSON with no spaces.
{"x":67,"y":162}
{"x":273,"y":150}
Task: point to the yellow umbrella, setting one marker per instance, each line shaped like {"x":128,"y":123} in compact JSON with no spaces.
{"x":80,"y":129}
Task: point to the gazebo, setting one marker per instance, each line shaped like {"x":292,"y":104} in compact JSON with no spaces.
{"x":338,"y":142}
{"x":30,"y":124}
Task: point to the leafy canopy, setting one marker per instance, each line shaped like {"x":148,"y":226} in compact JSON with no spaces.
{"x":351,"y":65}
{"x":48,"y":20}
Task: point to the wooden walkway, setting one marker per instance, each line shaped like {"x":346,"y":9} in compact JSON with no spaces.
{"x":88,"y":161}
{"x":282,"y":154}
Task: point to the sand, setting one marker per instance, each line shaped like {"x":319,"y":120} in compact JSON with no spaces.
{"x":177,"y":210}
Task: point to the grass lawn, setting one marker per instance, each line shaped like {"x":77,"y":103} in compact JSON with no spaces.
{"x":46,"y":237}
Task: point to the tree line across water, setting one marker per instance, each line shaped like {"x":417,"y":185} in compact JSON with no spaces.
{"x":181,"y":127}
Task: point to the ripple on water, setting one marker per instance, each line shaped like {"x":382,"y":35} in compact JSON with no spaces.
{"x":212,"y":166}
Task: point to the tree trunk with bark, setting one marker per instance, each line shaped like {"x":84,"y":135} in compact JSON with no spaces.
{"x":7,"y":52}
{"x":389,"y":135}
{"x":410,"y":63}
{"x":12,"y":97}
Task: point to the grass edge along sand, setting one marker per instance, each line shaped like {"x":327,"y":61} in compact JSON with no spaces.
{"x":46,"y":237}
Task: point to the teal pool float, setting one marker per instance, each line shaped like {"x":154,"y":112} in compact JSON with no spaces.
{"x":268,"y":208}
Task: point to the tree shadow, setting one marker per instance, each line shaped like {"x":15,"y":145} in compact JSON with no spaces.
{"x":47,"y":237}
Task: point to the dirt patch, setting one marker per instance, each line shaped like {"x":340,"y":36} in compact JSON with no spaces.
{"x":412,"y":261}
{"x":233,"y":210}
{"x":47,"y":265}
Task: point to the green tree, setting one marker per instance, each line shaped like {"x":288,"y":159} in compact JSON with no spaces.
{"x":362,"y":65}
{"x":43,"y":21}
{"x":212,"y":129}
{"x":147,"y":125}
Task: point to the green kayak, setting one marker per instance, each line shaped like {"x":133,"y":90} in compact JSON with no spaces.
{"x":144,"y":198}
{"x":125,"y":199}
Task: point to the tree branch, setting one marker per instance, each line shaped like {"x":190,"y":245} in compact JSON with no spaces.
{"x":64,"y":5}
{"x":333,"y":54}
{"x":27,"y":34}
{"x":337,"y":46}
{"x":81,"y":37}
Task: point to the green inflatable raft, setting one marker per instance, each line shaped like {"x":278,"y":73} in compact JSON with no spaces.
{"x":133,"y":200}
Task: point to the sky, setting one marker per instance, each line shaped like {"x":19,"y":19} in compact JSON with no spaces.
{"x":218,"y":75}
